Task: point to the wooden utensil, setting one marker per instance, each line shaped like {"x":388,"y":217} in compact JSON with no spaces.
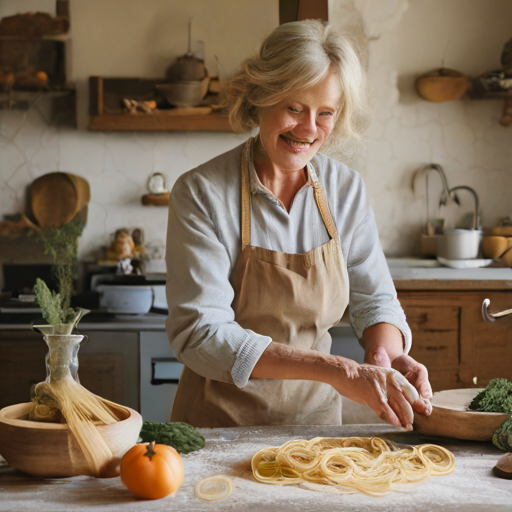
{"x":57,"y":197}
{"x":451,"y":418}
{"x":49,"y":450}
{"x":503,"y":468}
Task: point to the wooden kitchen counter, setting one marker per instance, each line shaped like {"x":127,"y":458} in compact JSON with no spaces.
{"x":471,"y":487}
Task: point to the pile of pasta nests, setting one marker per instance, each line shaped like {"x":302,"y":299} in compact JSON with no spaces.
{"x":353,"y":464}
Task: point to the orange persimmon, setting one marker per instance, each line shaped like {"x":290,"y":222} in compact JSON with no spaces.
{"x":152,"y":471}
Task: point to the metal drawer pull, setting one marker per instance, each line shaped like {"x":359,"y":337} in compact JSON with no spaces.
{"x":491,"y":317}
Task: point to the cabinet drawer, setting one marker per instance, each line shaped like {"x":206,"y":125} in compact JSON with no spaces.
{"x":435,"y":336}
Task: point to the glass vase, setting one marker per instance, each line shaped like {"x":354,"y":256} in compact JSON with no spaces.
{"x":61,"y":366}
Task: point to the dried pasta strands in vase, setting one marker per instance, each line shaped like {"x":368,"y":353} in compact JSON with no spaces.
{"x":353,"y":464}
{"x":62,"y":396}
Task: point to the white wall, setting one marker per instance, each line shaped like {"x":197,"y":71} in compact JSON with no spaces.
{"x":405,"y":38}
{"x":464,"y":136}
{"x":126,"y":38}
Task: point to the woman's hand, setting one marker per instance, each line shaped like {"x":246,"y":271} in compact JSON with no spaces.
{"x":385,"y":390}
{"x":384,"y":347}
{"x":414,"y":372}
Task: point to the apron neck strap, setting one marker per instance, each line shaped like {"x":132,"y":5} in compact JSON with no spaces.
{"x":320,"y":200}
{"x":246,"y":200}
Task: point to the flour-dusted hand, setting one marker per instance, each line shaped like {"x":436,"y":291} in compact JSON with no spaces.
{"x":385,"y":390}
{"x":416,"y":373}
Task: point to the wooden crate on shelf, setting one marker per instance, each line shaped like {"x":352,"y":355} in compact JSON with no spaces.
{"x":107,"y":114}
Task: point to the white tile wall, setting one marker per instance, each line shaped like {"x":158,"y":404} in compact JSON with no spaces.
{"x":406,"y":38}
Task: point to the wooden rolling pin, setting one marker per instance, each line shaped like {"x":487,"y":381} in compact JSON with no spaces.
{"x":503,"y":468}
{"x":57,"y":197}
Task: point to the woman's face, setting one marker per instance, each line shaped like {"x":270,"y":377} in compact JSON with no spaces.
{"x":294,"y":130}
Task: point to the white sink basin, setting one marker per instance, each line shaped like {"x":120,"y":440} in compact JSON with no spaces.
{"x":412,"y":263}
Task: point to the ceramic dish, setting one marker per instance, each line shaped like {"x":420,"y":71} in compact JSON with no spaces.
{"x":472,"y":263}
{"x":451,"y":417}
{"x":459,"y":244}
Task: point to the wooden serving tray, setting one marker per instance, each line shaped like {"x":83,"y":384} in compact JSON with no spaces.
{"x":451,"y":418}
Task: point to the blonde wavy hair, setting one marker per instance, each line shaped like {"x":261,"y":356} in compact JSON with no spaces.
{"x":297,"y":56}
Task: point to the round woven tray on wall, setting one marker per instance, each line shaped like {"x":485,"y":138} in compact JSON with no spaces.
{"x":57,"y":197}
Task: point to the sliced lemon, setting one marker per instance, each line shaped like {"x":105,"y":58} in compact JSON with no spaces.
{"x":214,"y":488}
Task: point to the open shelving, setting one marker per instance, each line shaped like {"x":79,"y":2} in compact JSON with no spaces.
{"x":106,"y":111}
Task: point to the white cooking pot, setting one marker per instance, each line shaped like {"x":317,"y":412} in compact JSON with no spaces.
{"x":126,"y":299}
{"x":459,"y":244}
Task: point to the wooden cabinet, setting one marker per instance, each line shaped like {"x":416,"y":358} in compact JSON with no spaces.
{"x":451,"y":338}
{"x":108,"y":366}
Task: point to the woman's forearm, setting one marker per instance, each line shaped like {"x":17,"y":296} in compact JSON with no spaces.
{"x":385,"y":390}
{"x":380,"y":336}
{"x":281,"y":361}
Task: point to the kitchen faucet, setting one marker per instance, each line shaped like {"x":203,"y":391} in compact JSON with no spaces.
{"x":446,"y":195}
{"x":475,"y":197}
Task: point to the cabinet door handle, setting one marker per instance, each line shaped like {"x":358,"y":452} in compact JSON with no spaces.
{"x":491,"y":317}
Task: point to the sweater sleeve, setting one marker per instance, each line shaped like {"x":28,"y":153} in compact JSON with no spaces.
{"x":373,"y":297}
{"x":201,"y":325}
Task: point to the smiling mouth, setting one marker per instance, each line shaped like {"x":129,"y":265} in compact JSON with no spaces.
{"x":296,"y":144}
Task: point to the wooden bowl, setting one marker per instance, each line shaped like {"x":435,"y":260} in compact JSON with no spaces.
{"x":451,"y":418}
{"x":495,"y":246}
{"x":442,"y":85}
{"x":506,"y":258}
{"x":49,"y":450}
{"x":498,"y":231}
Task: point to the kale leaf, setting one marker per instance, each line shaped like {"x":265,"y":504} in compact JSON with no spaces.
{"x":502,"y":438}
{"x":181,"y":436}
{"x":496,"y":397}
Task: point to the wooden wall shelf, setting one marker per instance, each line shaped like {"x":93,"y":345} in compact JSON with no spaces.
{"x":106,"y":112}
{"x":482,"y":89}
{"x":24,"y":100}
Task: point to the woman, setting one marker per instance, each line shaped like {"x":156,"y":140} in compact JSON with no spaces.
{"x":268,"y":244}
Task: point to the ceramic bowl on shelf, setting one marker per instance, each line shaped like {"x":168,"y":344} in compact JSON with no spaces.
{"x":183,"y":94}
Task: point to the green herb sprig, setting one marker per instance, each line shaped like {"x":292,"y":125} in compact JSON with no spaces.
{"x":181,"y":436}
{"x":61,"y":243}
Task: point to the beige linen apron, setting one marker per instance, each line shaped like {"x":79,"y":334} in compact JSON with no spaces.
{"x":292,"y":298}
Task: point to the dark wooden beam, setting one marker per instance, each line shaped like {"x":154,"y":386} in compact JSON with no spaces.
{"x":298,"y":10}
